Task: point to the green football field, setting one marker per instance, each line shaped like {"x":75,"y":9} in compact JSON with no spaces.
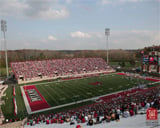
{"x":58,"y":93}
{"x":62,"y":92}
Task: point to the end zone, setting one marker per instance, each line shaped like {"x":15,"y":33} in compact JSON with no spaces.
{"x":33,"y":99}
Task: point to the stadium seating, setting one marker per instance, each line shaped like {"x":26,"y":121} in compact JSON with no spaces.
{"x":127,"y":104}
{"x":41,"y":70}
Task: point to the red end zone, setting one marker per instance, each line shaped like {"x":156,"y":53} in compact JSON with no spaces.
{"x":35,"y":104}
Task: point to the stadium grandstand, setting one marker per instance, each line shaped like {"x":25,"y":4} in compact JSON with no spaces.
{"x":112,"y":108}
{"x":30,"y":71}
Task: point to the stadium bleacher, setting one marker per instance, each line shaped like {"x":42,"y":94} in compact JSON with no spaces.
{"x":126,"y":105}
{"x":29,"y":71}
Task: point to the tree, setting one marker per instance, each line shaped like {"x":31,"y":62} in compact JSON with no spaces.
{"x":123,"y":64}
{"x":132,"y":62}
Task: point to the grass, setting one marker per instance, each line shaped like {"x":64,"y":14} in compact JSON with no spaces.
{"x":20,"y":103}
{"x":62,"y":92}
{"x":3,"y":71}
{"x":127,"y":64}
{"x":58,"y":93}
{"x":8,"y":108}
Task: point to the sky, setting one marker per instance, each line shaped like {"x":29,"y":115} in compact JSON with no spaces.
{"x":80,"y":24}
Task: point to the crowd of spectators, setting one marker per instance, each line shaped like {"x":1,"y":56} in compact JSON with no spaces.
{"x":112,"y":109}
{"x":58,"y":67}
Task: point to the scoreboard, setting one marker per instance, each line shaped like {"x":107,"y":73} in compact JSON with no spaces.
{"x":151,"y":62}
{"x":155,"y":60}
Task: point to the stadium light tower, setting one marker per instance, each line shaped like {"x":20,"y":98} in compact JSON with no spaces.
{"x":4,"y":29}
{"x":107,"y":33}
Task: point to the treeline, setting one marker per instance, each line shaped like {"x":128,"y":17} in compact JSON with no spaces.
{"x":117,"y":55}
{"x":27,"y":55}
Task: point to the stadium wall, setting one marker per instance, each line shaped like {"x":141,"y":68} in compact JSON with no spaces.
{"x":52,"y":78}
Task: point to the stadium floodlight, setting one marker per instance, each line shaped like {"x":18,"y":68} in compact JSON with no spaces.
{"x":4,"y":29}
{"x":107,"y":33}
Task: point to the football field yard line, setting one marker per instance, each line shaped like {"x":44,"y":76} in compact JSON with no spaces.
{"x":69,"y":91}
{"x":46,"y":93}
{"x":90,"y":89}
{"x":53,"y":96}
{"x":70,"y":87}
{"x":80,"y":88}
{"x":78,"y":91}
{"x":53,"y":91}
{"x":60,"y":92}
{"x":87,"y":86}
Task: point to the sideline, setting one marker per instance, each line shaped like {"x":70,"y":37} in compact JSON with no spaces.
{"x":69,"y":80}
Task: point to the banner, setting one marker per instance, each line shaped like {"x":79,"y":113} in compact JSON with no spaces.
{"x":152,"y":117}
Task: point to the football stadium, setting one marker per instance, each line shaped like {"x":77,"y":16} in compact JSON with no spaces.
{"x":57,"y":93}
{"x":58,"y":70}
